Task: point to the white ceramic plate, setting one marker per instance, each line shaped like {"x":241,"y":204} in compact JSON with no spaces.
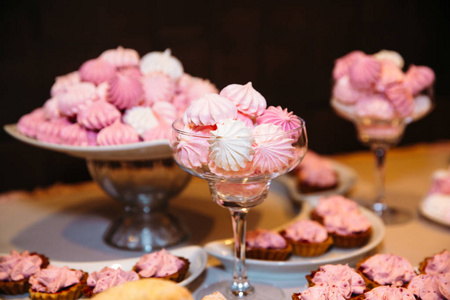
{"x":195,"y":254}
{"x":347,"y":178}
{"x":297,"y":267}
{"x":142,"y":150}
{"x":435,"y":211}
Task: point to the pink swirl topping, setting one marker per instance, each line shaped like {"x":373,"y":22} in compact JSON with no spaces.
{"x":431,"y":286}
{"x":157,"y":87}
{"x":97,"y":71}
{"x":418,"y":78}
{"x":438,"y":263}
{"x":344,"y":224}
{"x":209,"y":110}
{"x":117,"y":134}
{"x":76,"y":98}
{"x":316,"y":170}
{"x":63,"y":82}
{"x":364,"y":72}
{"x":98,"y":115}
{"x":75,"y":135}
{"x":53,"y":279}
{"x":345,"y":279}
{"x":248,"y":100}
{"x":281,"y":117}
{"x":17,"y":266}
{"x":158,"y":264}
{"x":306,"y":231}
{"x":335,"y":204}
{"x":388,"y":269}
{"x":125,"y":91}
{"x":389,"y":292}
{"x":108,"y":277}
{"x":262,"y":238}
{"x":121,"y":57}
{"x":27,"y":124}
{"x":318,"y":292}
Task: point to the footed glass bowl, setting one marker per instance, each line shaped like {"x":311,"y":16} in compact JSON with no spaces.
{"x":143,"y":177}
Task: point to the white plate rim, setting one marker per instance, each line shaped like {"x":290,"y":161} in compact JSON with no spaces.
{"x":429,"y":215}
{"x":377,"y":237}
{"x":347,"y":178}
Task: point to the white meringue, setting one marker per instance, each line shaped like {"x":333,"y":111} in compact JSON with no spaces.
{"x":140,"y":118}
{"x":161,"y":62}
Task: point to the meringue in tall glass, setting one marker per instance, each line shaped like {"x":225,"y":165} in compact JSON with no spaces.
{"x":238,"y":145}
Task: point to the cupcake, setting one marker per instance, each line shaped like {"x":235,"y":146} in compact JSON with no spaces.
{"x":389,"y":292}
{"x":319,"y":292}
{"x":16,"y":269}
{"x":266,"y":245}
{"x":430,"y":286}
{"x":162,"y":264}
{"x":100,"y":281}
{"x":55,"y":283}
{"x":386,"y":269}
{"x":349,"y":282}
{"x":348,"y":230}
{"x":308,"y":238}
{"x":436,"y":264}
{"x":333,"y":205}
{"x":315,"y":174}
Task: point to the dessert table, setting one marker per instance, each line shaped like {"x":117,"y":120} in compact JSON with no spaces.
{"x":67,"y":222}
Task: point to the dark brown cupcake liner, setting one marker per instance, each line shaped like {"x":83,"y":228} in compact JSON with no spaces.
{"x":269,"y":254}
{"x":307,"y":249}
{"x":351,"y":240}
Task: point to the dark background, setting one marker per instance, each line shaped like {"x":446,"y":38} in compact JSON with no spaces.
{"x":285,"y":48}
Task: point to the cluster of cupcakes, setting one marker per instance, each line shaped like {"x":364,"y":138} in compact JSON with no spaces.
{"x":26,"y":272}
{"x":381,"y":276}
{"x":234,"y":133}
{"x":375,"y":86}
{"x":116,"y":98}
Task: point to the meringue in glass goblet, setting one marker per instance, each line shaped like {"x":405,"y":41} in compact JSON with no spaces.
{"x":239,"y":164}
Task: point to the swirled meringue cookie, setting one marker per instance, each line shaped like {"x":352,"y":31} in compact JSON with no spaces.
{"x":98,"y":115}
{"x":125,"y":91}
{"x":50,"y":109}
{"x":50,"y":131}
{"x":192,"y":150}
{"x":249,"y":121}
{"x":273,"y":150}
{"x":165,"y":112}
{"x":210,"y":109}
{"x":27,"y":124}
{"x":63,"y":82}
{"x":116,"y":134}
{"x":97,"y":71}
{"x":364,"y":72}
{"x":248,"y":100}
{"x":231,"y":145}
{"x":76,"y":98}
{"x":159,"y":132}
{"x":140,"y":118}
{"x":401,"y":98}
{"x":281,"y":117}
{"x":390,"y":74}
{"x":375,"y":106}
{"x":418,"y":78}
{"x":121,"y":57}
{"x":345,"y":92}
{"x":161,"y":62}
{"x":390,"y":56}
{"x":157,"y":87}
{"x":342,"y":65}
{"x":75,"y":135}
{"x":102,"y":91}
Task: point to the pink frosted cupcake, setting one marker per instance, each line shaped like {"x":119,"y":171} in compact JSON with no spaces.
{"x":431,"y":286}
{"x":436,"y":264}
{"x":348,"y":230}
{"x":266,"y":245}
{"x":333,"y":205}
{"x":16,"y":269}
{"x":389,"y":292}
{"x":308,"y":238}
{"x":386,"y":269}
{"x":162,"y":264}
{"x":106,"y":278}
{"x":318,"y":292}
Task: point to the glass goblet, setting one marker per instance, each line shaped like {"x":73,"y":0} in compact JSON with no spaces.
{"x":239,"y":190}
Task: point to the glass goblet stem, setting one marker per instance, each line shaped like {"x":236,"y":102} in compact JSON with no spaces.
{"x":380,"y":151}
{"x":240,"y":286}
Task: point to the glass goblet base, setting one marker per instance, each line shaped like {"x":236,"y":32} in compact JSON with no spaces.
{"x":260,"y":292}
{"x":391,"y":215}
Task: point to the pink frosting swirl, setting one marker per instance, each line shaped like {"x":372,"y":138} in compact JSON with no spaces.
{"x":209,"y":110}
{"x":364,"y":72}
{"x":125,"y":91}
{"x":17,"y":266}
{"x":117,"y":134}
{"x":306,"y":231}
{"x":63,"y":82}
{"x":389,"y":292}
{"x":316,"y":170}
{"x":281,"y":117}
{"x":108,"y":277}
{"x":121,"y":57}
{"x":75,"y":135}
{"x":431,"y":286}
{"x":342,"y":65}
{"x":335,"y":204}
{"x":262,"y":238}
{"x":418,"y":78}
{"x":318,"y":292}
{"x":27,"y":124}
{"x":388,"y":269}
{"x":52,"y":279}
{"x":76,"y":98}
{"x":98,"y":115}
{"x":158,"y":264}
{"x":157,"y":87}
{"x":438,"y":263}
{"x":344,"y":224}
{"x":248,"y":100}
{"x":345,"y":279}
{"x":96,"y":71}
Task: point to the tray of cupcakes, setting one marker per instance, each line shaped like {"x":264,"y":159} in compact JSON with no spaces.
{"x":25,"y":275}
{"x":337,"y":230}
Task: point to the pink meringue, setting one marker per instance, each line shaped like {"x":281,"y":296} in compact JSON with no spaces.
{"x":165,"y":112}
{"x":248,"y":121}
{"x":50,"y":109}
{"x":418,"y":78}
{"x":377,"y":107}
{"x":97,"y":71}
{"x":76,"y":98}
{"x":390,"y":74}
{"x":117,"y":134}
{"x":277,"y":116}
{"x":364,"y":72}
{"x":162,"y":131}
{"x":210,"y":109}
{"x":98,"y":115}
{"x":390,"y":56}
{"x":342,"y":65}
{"x":248,"y":100}
{"x":191,"y":150}
{"x":102,"y":91}
{"x":401,"y":98}
{"x":125,"y":91}
{"x":63,"y":82}
{"x":157,"y":87}
{"x":28,"y":124}
{"x":345,"y":93}
{"x":75,"y":135}
{"x":50,"y":131}
{"x":121,"y":57}
{"x":161,"y":62}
